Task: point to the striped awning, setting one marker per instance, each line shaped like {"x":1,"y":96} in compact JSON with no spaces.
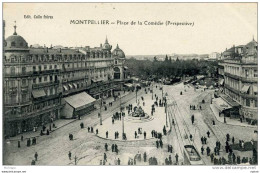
{"x":38,"y":93}
{"x":245,"y":88}
{"x":75,"y":85}
{"x":70,"y":86}
{"x":65,"y":87}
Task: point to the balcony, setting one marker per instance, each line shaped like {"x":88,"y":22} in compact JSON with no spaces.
{"x":232,"y":75}
{"x":232,"y":89}
{"x":244,"y":95}
{"x":27,"y":74}
{"x":250,"y":61}
{"x":249,"y":80}
{"x":41,"y":85}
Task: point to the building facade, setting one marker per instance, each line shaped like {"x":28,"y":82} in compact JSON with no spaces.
{"x":238,"y":74}
{"x":36,"y":79}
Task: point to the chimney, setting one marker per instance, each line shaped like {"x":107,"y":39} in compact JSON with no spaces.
{"x":101,"y":45}
{"x":60,"y":50}
{"x":47,"y":49}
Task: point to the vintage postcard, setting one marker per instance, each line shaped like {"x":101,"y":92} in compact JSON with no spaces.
{"x":130,"y":84}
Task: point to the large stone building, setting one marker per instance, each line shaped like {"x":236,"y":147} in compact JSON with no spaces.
{"x":238,"y":78}
{"x":36,"y":80}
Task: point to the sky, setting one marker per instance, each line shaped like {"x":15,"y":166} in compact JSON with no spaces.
{"x":217,"y":26}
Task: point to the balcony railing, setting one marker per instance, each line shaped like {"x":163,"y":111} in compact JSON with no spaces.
{"x":232,"y":89}
{"x":40,"y":85}
{"x":232,"y":75}
{"x":249,"y":80}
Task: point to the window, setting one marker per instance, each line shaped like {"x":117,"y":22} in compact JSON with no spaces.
{"x":50,"y":66}
{"x":45,"y":78}
{"x":55,"y":66}
{"x":247,"y":102}
{"x":50,"y":78}
{"x":247,"y":73}
{"x":24,"y":97}
{"x":255,"y":103}
{"x":34,"y":68}
{"x":40,"y":79}
{"x":51,"y":91}
{"x":24,"y":82}
{"x":45,"y":67}
{"x":13,"y":44}
{"x":12,"y":70}
{"x":34,"y":80}
{"x":255,"y":73}
{"x":23,"y":70}
{"x":40,"y":68}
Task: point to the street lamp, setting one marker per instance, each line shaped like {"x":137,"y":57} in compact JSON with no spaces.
{"x":123,"y":128}
{"x":166,"y":112}
{"x":101,"y":100}
{"x":136,"y":94}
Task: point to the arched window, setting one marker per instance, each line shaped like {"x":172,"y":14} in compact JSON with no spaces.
{"x":116,"y":73}
{"x":13,"y":43}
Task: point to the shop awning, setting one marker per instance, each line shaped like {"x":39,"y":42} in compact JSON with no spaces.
{"x":128,"y":85}
{"x":221,"y":81}
{"x":229,"y":100}
{"x":255,"y":88}
{"x":74,"y":85}
{"x":221,"y":104}
{"x":79,"y":101}
{"x":125,"y":67}
{"x":65,"y":87}
{"x":70,"y":86}
{"x":38,"y":93}
{"x":245,"y":88}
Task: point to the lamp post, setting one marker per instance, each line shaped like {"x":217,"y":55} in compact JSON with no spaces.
{"x":136,"y":94}
{"x":123,"y":127}
{"x":101,"y":100}
{"x":166,"y":112}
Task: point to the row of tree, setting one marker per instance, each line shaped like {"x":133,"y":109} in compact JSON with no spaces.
{"x":170,"y":68}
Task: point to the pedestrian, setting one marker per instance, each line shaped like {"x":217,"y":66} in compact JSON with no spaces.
{"x":113,"y":147}
{"x":225,"y":121}
{"x":208,"y":151}
{"x":118,"y":161}
{"x":19,"y":144}
{"x":106,"y":147}
{"x":161,"y":143}
{"x":205,"y":140}
{"x":212,"y":157}
{"x":213,"y":122}
{"x":215,"y":151}
{"x":145,"y":156}
{"x":36,"y":156}
{"x":172,"y":121}
{"x":69,"y":155}
{"x":191,"y":137}
{"x":176,"y":157}
{"x":202,"y":140}
{"x":192,"y":119}
{"x":96,"y":131}
{"x":22,"y":138}
{"x":91,"y":129}
{"x":144,"y":135}
{"x":106,"y":134}
{"x":48,"y":132}
{"x":157,"y":144}
{"x":33,"y":162}
{"x":233,"y":140}
{"x":105,"y":157}
{"x":208,"y":133}
{"x":202,"y":150}
{"x":135,"y":134}
{"x":88,"y":129}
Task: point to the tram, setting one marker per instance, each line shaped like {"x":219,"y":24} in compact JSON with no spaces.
{"x":191,"y":156}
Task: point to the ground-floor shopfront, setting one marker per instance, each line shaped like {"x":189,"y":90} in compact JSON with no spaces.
{"x":31,"y":122}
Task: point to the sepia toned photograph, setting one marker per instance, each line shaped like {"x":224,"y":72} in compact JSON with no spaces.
{"x":130,"y":84}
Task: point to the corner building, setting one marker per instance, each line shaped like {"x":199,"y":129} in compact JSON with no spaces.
{"x":35,"y":80}
{"x":238,"y":76}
